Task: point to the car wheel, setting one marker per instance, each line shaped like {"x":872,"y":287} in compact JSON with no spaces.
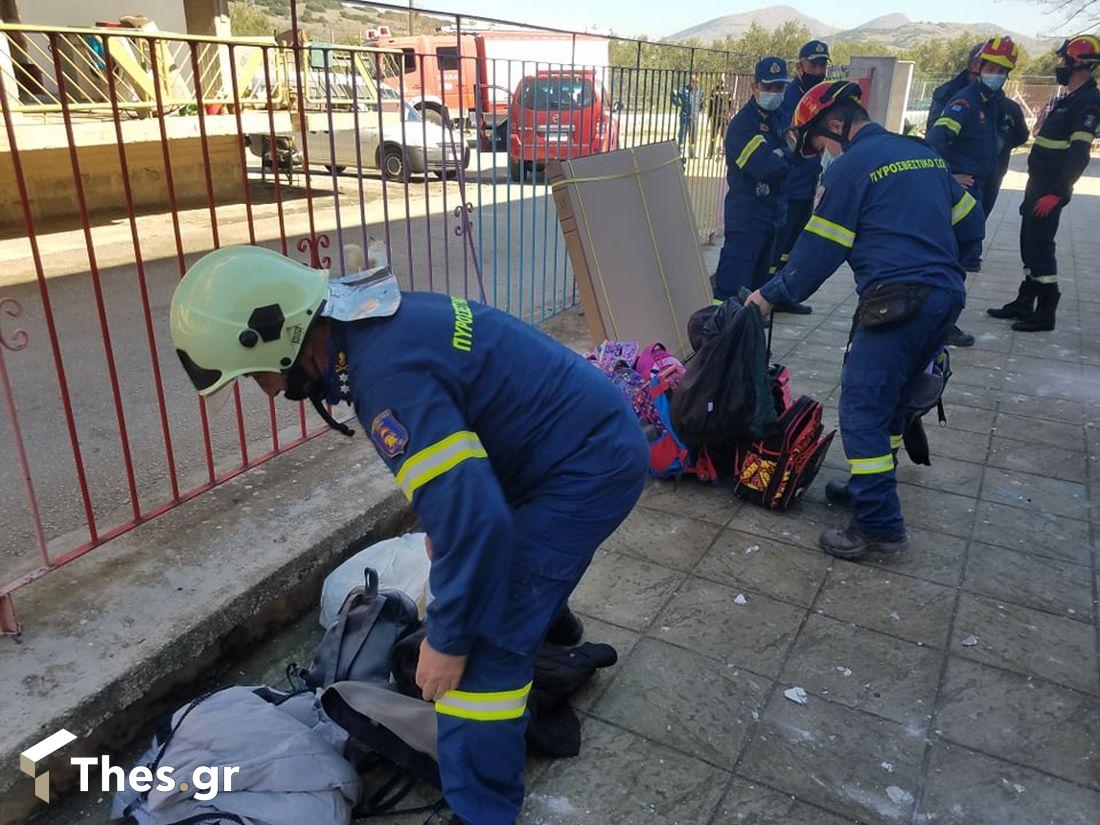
{"x":433,"y":115}
{"x":393,"y":163}
{"x":339,"y":170}
{"x":516,"y":170}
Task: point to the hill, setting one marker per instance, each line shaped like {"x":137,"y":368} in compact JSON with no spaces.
{"x":735,"y":25}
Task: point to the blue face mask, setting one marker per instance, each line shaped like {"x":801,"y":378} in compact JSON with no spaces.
{"x":827,"y":159}
{"x":769,"y":101}
{"x":992,"y":81}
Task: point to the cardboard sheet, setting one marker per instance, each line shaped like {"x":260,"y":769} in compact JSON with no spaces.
{"x":631,"y":235}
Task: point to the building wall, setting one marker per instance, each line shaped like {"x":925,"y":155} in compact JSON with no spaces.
{"x":167,"y":14}
{"x":49,"y":177}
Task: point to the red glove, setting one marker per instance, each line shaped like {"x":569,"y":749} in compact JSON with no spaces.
{"x":1046,"y":204}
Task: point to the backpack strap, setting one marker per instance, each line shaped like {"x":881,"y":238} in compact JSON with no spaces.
{"x":332,"y":641}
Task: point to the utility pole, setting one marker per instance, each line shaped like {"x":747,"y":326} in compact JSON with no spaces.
{"x":410,"y":17}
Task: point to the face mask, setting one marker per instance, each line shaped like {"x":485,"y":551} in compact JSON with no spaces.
{"x":992,"y":81}
{"x":1062,"y":75}
{"x":769,"y":101}
{"x":810,"y":79}
{"x":827,"y":159}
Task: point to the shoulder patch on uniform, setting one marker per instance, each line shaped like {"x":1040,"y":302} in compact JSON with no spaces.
{"x":763,"y":127}
{"x":959,"y":104}
{"x":388,"y":434}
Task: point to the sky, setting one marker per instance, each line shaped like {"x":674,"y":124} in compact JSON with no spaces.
{"x":658,"y":18}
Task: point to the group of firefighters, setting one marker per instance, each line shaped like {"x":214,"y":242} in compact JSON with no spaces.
{"x":520,"y":459}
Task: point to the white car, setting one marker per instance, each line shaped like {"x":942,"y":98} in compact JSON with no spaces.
{"x":420,"y":147}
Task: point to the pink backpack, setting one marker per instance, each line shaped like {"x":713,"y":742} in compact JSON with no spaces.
{"x":655,"y":360}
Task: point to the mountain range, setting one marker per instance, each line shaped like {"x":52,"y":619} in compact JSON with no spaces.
{"x":895,"y":30}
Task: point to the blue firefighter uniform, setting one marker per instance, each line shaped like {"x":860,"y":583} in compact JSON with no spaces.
{"x":688,"y":99}
{"x":801,"y":182}
{"x":889,"y":207}
{"x":946,"y":92}
{"x":968,"y":136}
{"x":754,"y":174}
{"x":519,"y":459}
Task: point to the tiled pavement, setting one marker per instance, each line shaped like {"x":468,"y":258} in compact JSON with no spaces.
{"x":958,"y":685}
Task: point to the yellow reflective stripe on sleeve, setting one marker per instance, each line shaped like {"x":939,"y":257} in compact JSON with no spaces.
{"x":831,"y":231}
{"x":1087,"y":137}
{"x":1048,"y":143}
{"x":949,"y":123}
{"x":870,"y":466}
{"x":434,"y":461}
{"x":961,"y":209}
{"x":750,"y":147}
{"x":895,"y":442}
{"x":484,"y":707}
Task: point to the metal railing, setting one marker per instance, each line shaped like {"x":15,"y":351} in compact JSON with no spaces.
{"x":105,"y":431}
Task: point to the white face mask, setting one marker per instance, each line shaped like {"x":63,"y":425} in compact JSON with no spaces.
{"x":993,"y":81}
{"x":827,"y":159}
{"x":769,"y":101}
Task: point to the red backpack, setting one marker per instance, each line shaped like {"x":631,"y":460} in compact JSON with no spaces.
{"x":775,"y":470}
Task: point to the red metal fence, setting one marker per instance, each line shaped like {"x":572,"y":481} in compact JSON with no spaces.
{"x":130,"y":154}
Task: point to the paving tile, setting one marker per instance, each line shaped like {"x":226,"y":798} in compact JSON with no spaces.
{"x":674,"y":541}
{"x":1027,"y":641}
{"x":620,"y":777}
{"x":937,"y":510}
{"x":1048,"y":495}
{"x":747,"y":803}
{"x":1022,"y":457}
{"x":962,"y":359}
{"x":899,"y":606}
{"x":704,"y":617}
{"x":946,"y":474}
{"x":866,"y":670}
{"x":838,"y":758}
{"x":1033,"y":531}
{"x":683,"y":700}
{"x":773,"y":568}
{"x":979,"y":397}
{"x":621,"y":639}
{"x":1022,"y":719}
{"x":692,"y":499}
{"x":951,"y":442}
{"x":800,"y":526}
{"x":968,"y":788}
{"x":1030,"y":581}
{"x":968,"y":419}
{"x":933,"y":556}
{"x":981,"y":377}
{"x":624,"y":591}
{"x":1058,"y":381}
{"x":1051,"y":409}
{"x":1038,"y":431}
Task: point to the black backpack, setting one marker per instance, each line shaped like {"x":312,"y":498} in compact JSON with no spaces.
{"x":725,"y":394}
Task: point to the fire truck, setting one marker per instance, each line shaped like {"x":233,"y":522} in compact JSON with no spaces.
{"x":468,"y":80}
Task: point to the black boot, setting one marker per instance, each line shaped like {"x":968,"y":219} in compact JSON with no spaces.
{"x":851,"y":543}
{"x":957,"y":338}
{"x":566,"y":630}
{"x":1021,"y":307}
{"x":837,"y":492}
{"x":1042,"y":319}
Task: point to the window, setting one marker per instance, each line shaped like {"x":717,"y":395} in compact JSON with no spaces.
{"x":410,"y":63}
{"x":558,"y":93}
{"x":448,"y":58}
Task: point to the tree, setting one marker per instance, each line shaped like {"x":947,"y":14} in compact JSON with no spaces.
{"x":248,"y":20}
{"x":1081,"y":15}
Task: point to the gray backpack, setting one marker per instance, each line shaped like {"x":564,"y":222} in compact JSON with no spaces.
{"x":359,"y":646}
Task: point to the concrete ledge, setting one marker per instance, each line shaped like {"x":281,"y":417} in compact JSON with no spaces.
{"x":124,"y":634}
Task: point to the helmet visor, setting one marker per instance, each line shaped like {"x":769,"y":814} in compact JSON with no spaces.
{"x":216,"y":400}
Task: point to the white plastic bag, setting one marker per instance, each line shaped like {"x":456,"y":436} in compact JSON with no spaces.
{"x":402,"y":564}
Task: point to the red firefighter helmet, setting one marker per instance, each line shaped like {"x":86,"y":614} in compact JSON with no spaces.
{"x":1001,"y":51}
{"x":1083,"y":51}
{"x":813,"y":105}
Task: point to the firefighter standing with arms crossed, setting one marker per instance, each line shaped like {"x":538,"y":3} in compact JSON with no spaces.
{"x":516,"y":481}
{"x":756,"y":166}
{"x":1060,"y":154}
{"x":888,"y":206}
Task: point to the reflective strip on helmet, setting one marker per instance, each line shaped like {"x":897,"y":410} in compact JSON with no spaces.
{"x":750,"y":147}
{"x":484,"y":707}
{"x":831,"y":231}
{"x":1048,"y":143}
{"x":949,"y":123}
{"x":439,"y":458}
{"x":961,"y":209}
{"x":1087,"y":137}
{"x":895,"y":442}
{"x":870,"y":466}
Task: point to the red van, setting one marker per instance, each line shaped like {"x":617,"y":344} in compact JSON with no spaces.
{"x":557,"y":115}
